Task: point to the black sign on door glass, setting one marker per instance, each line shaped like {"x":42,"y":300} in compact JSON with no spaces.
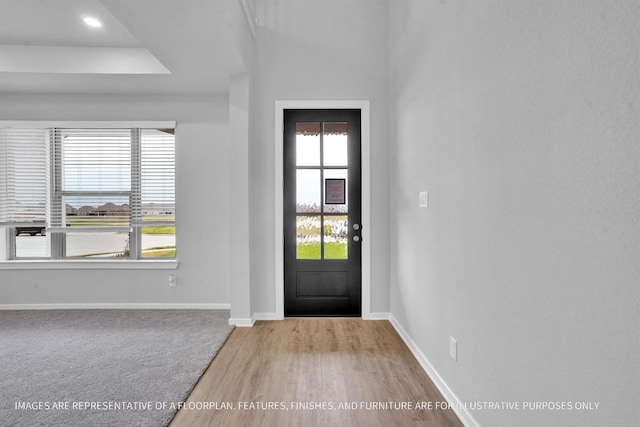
{"x":334,"y":189}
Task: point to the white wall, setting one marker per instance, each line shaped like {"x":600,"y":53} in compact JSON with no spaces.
{"x":202,"y":192}
{"x":521,"y":120}
{"x":312,"y":50}
{"x":239,"y":236}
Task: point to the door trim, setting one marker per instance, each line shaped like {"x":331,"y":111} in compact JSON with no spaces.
{"x":365,"y":123}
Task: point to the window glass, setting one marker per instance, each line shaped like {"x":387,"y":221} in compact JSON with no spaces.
{"x":308,"y":144}
{"x":335,"y":144}
{"x":31,"y":242}
{"x":308,"y":237}
{"x":159,"y":244}
{"x":307,"y":190}
{"x":157,"y":202}
{"x":336,"y":237}
{"x":83,"y":193}
{"x":97,"y":245}
{"x":337,"y":174}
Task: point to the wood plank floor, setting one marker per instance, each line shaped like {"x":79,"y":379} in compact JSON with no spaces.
{"x":287,"y":371}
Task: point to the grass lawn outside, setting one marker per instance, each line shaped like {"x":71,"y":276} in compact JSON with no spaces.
{"x":159,"y":229}
{"x":166,"y":253}
{"x":332,"y":250}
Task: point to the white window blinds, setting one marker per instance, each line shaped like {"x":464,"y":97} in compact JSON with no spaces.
{"x":72,"y":178}
{"x":156,"y":204}
{"x":93,"y":167}
{"x":24,"y":176}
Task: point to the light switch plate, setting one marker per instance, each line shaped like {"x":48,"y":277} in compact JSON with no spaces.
{"x":424,"y":199}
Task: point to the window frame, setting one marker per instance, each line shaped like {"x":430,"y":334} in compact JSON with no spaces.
{"x":56,"y":240}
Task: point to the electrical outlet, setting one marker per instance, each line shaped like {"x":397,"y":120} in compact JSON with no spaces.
{"x":453,"y":348}
{"x":172,"y":281}
{"x":424,"y":199}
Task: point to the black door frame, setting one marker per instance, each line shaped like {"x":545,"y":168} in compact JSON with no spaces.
{"x":332,"y":287}
{"x":364,"y":107}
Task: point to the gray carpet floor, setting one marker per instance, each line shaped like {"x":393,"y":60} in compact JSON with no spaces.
{"x":103,"y":367}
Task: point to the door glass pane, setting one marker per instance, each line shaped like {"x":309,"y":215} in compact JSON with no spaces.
{"x":335,"y":144}
{"x":307,"y":190}
{"x":336,"y":237}
{"x":333,"y":174}
{"x":308,"y":144}
{"x":308,"y":237}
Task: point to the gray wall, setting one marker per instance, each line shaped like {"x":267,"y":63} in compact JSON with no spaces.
{"x":202,"y":181}
{"x":311,"y":50}
{"x":521,"y":120}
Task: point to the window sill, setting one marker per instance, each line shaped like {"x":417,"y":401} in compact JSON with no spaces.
{"x":90,"y":265}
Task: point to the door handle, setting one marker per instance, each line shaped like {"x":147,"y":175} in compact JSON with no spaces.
{"x":357,"y":238}
{"x":357,"y":227}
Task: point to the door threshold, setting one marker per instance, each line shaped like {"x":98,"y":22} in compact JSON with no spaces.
{"x":321,"y":317}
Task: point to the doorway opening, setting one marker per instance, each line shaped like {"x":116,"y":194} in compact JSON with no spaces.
{"x":322,"y":213}
{"x":363,"y":107}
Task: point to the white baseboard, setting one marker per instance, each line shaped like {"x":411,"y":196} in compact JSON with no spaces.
{"x":458,"y":407}
{"x":241,"y":322}
{"x":376,"y":316}
{"x":267,"y":316}
{"x":116,"y":306}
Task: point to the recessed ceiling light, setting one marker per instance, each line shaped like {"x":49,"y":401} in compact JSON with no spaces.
{"x":92,"y":22}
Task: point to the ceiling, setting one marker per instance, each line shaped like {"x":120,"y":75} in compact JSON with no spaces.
{"x":143,"y":47}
